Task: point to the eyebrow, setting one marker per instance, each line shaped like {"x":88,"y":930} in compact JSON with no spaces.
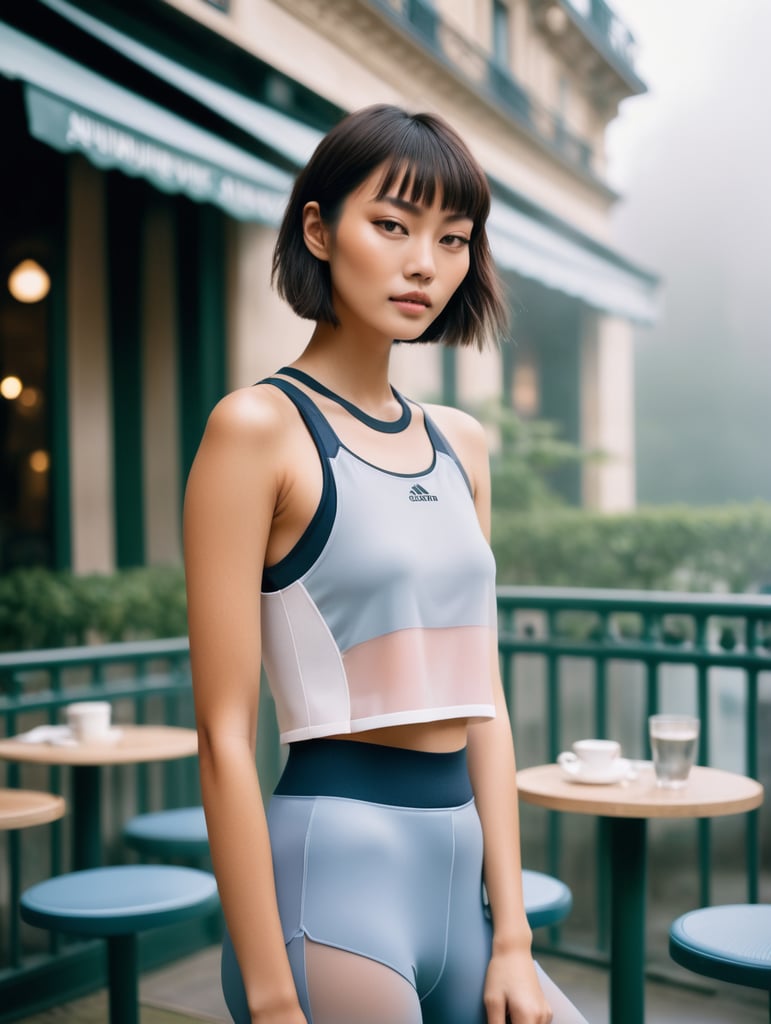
{"x":415,"y":208}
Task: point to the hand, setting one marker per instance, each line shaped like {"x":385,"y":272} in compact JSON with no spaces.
{"x":512,"y":993}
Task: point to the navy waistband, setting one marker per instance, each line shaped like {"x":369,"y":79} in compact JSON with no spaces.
{"x":375,"y":773}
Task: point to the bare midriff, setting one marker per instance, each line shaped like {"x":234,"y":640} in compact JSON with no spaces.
{"x":431,"y":737}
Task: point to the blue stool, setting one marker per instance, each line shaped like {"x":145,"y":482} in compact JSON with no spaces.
{"x":730,"y":943}
{"x":547,"y":900}
{"x":115,"y":903}
{"x":177,"y":833}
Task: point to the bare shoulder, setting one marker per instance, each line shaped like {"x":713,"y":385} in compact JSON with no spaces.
{"x":253,"y":415}
{"x":464,"y":433}
{"x":468,"y":440}
{"x":244,"y":446}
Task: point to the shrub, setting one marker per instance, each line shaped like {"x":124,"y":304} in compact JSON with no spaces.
{"x":664,"y":548}
{"x":39,"y":608}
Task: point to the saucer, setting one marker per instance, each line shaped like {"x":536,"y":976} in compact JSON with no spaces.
{"x":576,"y":772}
{"x":106,"y":739}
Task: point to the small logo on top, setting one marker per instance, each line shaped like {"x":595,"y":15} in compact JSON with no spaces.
{"x":418,"y":493}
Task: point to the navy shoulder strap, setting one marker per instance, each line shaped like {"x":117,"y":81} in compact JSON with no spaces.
{"x":322,"y":433}
{"x":308,"y":548}
{"x":441,"y":444}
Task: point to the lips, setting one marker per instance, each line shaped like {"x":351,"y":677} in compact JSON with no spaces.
{"x":415,"y":298}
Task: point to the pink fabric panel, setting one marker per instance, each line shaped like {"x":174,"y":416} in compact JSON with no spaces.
{"x":419,"y":668}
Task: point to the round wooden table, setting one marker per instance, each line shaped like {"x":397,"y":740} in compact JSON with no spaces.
{"x":20,"y":808}
{"x":131,"y":744}
{"x":627,"y":805}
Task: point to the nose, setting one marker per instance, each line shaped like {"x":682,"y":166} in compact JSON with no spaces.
{"x":420,"y":259}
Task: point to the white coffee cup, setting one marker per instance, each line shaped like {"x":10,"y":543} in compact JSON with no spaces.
{"x":89,"y":720}
{"x":596,"y":756}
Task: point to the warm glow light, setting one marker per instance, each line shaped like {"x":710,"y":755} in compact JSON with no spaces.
{"x":10,"y":387}
{"x":29,"y":398}
{"x":39,"y":461}
{"x":28,"y":282}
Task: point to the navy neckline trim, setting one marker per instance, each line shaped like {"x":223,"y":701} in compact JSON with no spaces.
{"x":384,"y":426}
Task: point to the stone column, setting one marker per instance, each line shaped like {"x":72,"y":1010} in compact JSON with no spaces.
{"x":607,"y":411}
{"x":160,"y":386}
{"x":90,"y":409}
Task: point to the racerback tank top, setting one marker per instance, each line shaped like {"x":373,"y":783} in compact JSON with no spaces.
{"x":384,"y":612}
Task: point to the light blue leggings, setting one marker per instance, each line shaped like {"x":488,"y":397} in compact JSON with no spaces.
{"x":381,"y":905}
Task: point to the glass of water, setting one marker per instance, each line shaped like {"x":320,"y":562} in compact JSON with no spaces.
{"x":673,"y":745}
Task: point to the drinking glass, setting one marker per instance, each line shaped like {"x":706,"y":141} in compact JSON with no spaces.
{"x":673,"y":745}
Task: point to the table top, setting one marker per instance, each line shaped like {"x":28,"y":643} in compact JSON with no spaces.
{"x":22,"y":807}
{"x":708,"y":793}
{"x":132,"y":744}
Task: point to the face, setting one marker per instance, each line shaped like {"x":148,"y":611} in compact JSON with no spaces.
{"x":394,"y":264}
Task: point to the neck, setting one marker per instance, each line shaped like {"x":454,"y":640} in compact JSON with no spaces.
{"x":356,"y":367}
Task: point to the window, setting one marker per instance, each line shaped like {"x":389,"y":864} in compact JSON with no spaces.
{"x":501,"y":30}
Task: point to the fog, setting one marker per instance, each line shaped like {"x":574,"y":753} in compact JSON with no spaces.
{"x":693,"y":161}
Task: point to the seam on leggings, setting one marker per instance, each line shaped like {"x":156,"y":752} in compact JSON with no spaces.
{"x":301,"y":933}
{"x":447,"y":918}
{"x":306,"y":853}
{"x":365,"y":956}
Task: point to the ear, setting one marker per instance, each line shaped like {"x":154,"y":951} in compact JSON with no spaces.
{"x":315,"y":232}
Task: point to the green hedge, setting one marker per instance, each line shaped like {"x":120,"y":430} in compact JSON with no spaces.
{"x":665,"y":548}
{"x":39,"y":608}
{"x":671,"y":548}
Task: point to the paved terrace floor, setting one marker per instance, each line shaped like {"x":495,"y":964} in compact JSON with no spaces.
{"x":189,"y":992}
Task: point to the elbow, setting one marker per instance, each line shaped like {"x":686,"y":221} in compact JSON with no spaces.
{"x":220,"y":749}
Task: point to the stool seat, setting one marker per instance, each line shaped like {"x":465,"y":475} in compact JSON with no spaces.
{"x":730,"y":943}
{"x":115,"y":903}
{"x":547,"y":899}
{"x":119,"y":900}
{"x":180,"y":832}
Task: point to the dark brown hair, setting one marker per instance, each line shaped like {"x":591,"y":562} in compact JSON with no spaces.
{"x":420,"y":154}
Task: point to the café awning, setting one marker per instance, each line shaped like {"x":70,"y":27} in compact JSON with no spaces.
{"x":74,"y":109}
{"x":558,"y":257}
{"x":285,"y":135}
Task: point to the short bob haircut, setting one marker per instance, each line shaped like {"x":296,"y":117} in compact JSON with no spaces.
{"x":420,"y":154}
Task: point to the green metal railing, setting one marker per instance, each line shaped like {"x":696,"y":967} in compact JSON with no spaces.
{"x":597,"y":663}
{"x":575,"y":663}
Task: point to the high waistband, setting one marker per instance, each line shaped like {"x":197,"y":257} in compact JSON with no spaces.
{"x":376,"y":773}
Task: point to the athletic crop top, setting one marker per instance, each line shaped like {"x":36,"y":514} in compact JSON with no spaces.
{"x":384,"y":611}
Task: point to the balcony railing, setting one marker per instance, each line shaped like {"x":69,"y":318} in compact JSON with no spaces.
{"x":575,"y":663}
{"x":604,"y":25}
{"x":491,"y":80}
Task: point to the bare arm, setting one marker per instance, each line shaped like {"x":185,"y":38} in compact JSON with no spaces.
{"x":231,"y":495}
{"x":512,"y":990}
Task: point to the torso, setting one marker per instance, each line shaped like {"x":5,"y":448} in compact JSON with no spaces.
{"x":299,"y":489}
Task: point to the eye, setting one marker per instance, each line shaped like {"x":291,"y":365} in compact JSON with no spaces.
{"x":455,"y":241}
{"x":391,"y":227}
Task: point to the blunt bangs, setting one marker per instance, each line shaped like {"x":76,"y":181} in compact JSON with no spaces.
{"x":421,"y":157}
{"x":424,"y":165}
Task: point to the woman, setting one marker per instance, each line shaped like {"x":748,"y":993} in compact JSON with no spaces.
{"x":358,"y":898}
